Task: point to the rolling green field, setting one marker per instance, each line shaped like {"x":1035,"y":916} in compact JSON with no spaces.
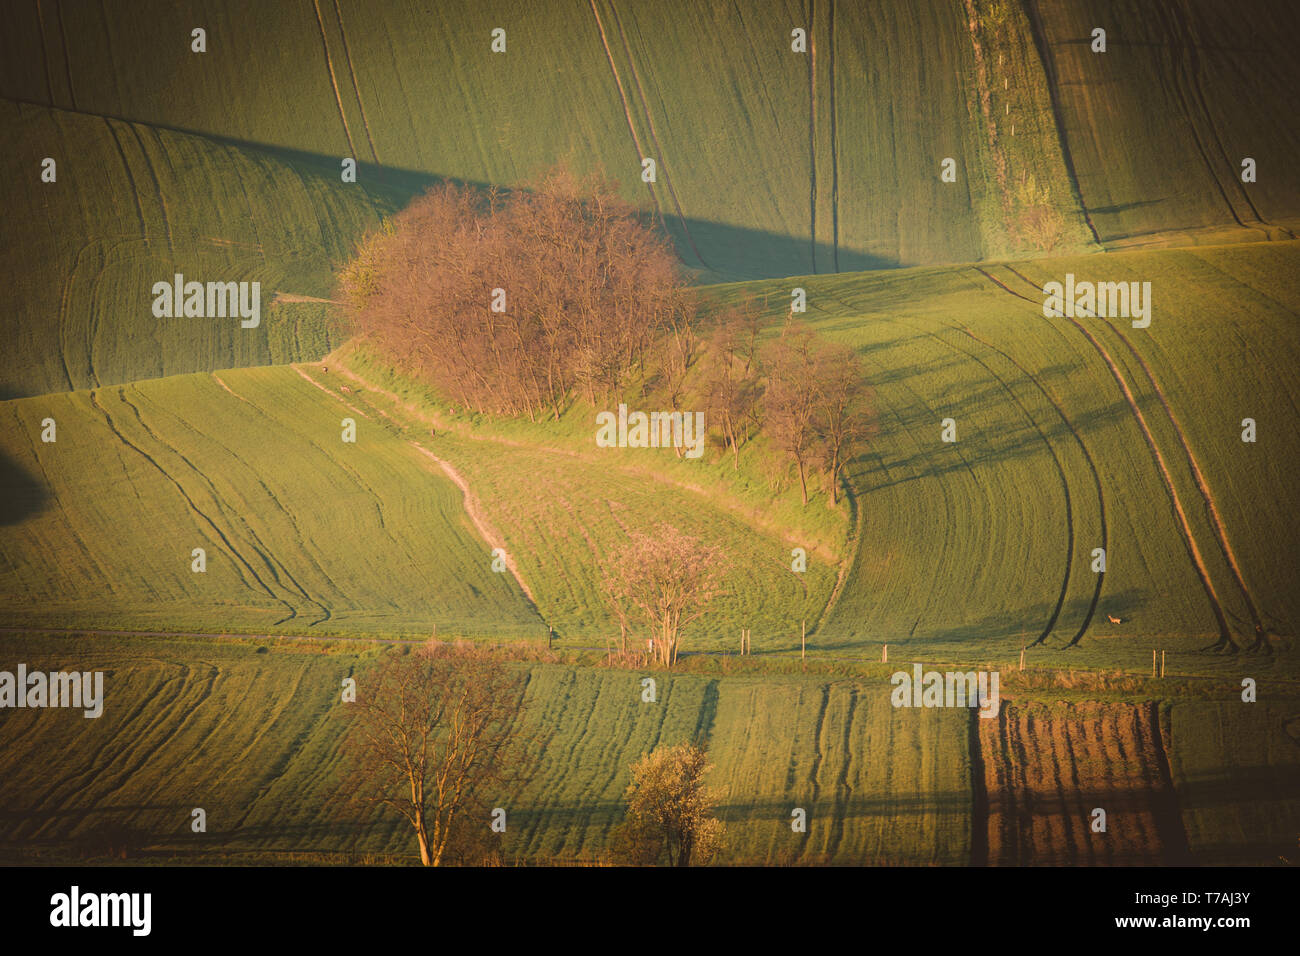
{"x":775,"y":170}
{"x":952,"y":548}
{"x":1186,"y":98}
{"x":305,"y":531}
{"x":947,"y":558}
{"x":300,"y":535}
{"x":779,"y":163}
{"x":253,"y":739}
{"x":1224,"y":750}
{"x":134,"y":205}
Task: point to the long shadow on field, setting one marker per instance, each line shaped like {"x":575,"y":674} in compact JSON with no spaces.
{"x":21,"y":494}
{"x":988,"y":447}
{"x":730,"y":252}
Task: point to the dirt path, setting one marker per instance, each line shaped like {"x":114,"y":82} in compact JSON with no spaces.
{"x":480,"y":520}
{"x":293,"y":297}
{"x":753,"y":517}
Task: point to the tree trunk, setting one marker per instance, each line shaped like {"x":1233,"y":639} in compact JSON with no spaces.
{"x":421,"y":834}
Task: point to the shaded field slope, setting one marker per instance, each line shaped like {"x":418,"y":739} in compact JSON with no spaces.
{"x":134,"y":205}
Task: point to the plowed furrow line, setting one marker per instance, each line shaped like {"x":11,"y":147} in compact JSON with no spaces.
{"x":267,"y":553}
{"x":1092,"y":467}
{"x":333,"y":80}
{"x":1216,"y":520}
{"x":356,"y":87}
{"x":221,"y":535}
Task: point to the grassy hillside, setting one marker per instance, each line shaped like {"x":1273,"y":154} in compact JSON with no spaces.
{"x":303,"y":532}
{"x":133,"y":205}
{"x":306,"y":531}
{"x":955,"y":549}
{"x":250,"y":733}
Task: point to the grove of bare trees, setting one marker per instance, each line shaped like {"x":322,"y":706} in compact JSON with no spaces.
{"x":526,"y":302}
{"x":517,"y":302}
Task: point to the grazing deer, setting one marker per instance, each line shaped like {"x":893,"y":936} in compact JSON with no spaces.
{"x":1113,"y":619}
{"x":324,"y":368}
{"x":344,"y":388}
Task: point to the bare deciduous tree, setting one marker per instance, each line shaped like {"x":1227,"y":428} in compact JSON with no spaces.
{"x":431,"y":733}
{"x":842,"y":415}
{"x":664,"y":580}
{"x":790,"y":402}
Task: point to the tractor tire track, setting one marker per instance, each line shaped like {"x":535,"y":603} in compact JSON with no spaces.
{"x":812,"y":135}
{"x":157,"y":186}
{"x":333,"y":80}
{"x":239,"y":558}
{"x":1060,"y":469}
{"x":1184,"y":46}
{"x":1092,"y":466}
{"x":67,"y":59}
{"x":654,"y":135}
{"x":1065,"y":490}
{"x":263,"y":551}
{"x":356,"y":87}
{"x":130,"y":177}
{"x":1189,"y":539}
{"x":1211,"y":509}
{"x":45,"y":53}
{"x":1048,"y":59}
{"x":835,"y":147}
{"x":65,"y":312}
{"x":340,"y":463}
{"x":627,"y":111}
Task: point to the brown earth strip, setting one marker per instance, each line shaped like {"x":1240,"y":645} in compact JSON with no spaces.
{"x":1046,"y":768}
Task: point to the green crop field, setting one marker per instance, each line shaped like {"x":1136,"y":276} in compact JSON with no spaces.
{"x":950,"y":548}
{"x":253,"y":738}
{"x":1237,"y":771}
{"x":781,"y":162}
{"x":133,"y":205}
{"x":302,"y":530}
{"x":251,"y":733}
{"x":1187,"y":99}
{"x":1103,"y":499}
